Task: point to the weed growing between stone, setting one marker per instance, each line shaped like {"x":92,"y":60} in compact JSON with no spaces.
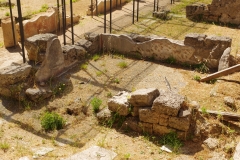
{"x":197,"y":78}
{"x":96,"y":103}
{"x":115,"y":119}
{"x":122,"y":64}
{"x":96,"y":57}
{"x":4,"y":146}
{"x":171,"y":60}
{"x":51,"y":121}
{"x":171,"y":140}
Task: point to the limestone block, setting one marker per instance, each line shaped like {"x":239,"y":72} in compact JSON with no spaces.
{"x":179,"y":123}
{"x":36,"y":46}
{"x":161,"y":130}
{"x":163,"y":120}
{"x":119,"y":103}
{"x":92,"y":37}
{"x":148,"y":115}
{"x":14,"y":73}
{"x":146,"y":127}
{"x":38,"y":94}
{"x":135,"y":111}
{"x":143,"y":97}
{"x":7,"y":31}
{"x":237,"y":152}
{"x":53,"y":63}
{"x":104,"y":114}
{"x":139,"y":38}
{"x":132,"y":123}
{"x":184,"y":112}
{"x":15,"y":91}
{"x":224,"y":60}
{"x":182,"y":135}
{"x":90,"y":47}
{"x":69,"y":53}
{"x":81,"y":52}
{"x":168,"y":103}
{"x":195,"y":39}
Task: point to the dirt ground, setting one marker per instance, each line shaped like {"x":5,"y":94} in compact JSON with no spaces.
{"x":20,"y":121}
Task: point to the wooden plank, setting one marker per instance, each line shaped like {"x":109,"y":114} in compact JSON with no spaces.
{"x":227,"y":116}
{"x":221,"y":73}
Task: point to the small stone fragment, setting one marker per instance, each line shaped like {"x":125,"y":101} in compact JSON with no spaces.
{"x":229,"y":101}
{"x":212,"y":143}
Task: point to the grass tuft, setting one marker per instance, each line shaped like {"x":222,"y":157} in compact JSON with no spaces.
{"x":96,"y":103}
{"x":51,"y":121}
{"x":171,"y":140}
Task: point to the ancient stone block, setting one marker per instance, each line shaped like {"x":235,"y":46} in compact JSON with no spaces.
{"x":146,"y":127}
{"x":8,"y":38}
{"x":195,"y":39}
{"x":132,"y":123}
{"x":14,"y":73}
{"x":182,"y":135}
{"x":184,"y":113}
{"x":161,"y":130}
{"x":36,"y":46}
{"x":119,"y":103}
{"x":143,"y":97}
{"x":179,"y":123}
{"x":148,"y":115}
{"x":224,"y":60}
{"x":135,"y":111}
{"x":168,"y":103}
{"x":90,"y":47}
{"x":37,"y":94}
{"x":104,"y":114}
{"x":163,"y":120}
{"x":53,"y":63}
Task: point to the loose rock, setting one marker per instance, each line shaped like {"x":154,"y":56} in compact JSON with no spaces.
{"x":229,"y":101}
{"x":212,"y":143}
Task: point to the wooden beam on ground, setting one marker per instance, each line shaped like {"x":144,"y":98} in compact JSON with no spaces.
{"x":226,"y":116}
{"x":221,"y":73}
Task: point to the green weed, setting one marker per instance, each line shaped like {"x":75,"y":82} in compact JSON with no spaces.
{"x":127,"y":156}
{"x":115,"y":118}
{"x":7,"y":14}
{"x":4,"y":146}
{"x":99,"y":73}
{"x":201,"y":68}
{"x":84,"y":66}
{"x":96,"y":103}
{"x":51,"y":121}
{"x":197,"y":78}
{"x":44,"y":8}
{"x":122,"y":64}
{"x":116,"y":80}
{"x":171,"y":140}
{"x":204,"y":110}
{"x":96,"y":57}
{"x":171,"y":60}
{"x":109,"y":95}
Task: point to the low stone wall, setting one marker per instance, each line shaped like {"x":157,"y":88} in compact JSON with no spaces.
{"x":153,"y":111}
{"x":220,"y":11}
{"x":195,"y":49}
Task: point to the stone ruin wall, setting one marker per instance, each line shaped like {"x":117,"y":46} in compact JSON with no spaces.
{"x":154,"y":111}
{"x":220,"y":11}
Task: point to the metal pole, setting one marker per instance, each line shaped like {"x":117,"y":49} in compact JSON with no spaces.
{"x":137,"y":9}
{"x":116,"y":4}
{"x":110,"y":16}
{"x":71,"y":10}
{"x":21,"y":28}
{"x":154,"y":5}
{"x":97,"y":7}
{"x":133,"y":11}
{"x":13,"y":31}
{"x":92,"y":8}
{"x":157,"y":4}
{"x":63,"y":21}
{"x":120,"y":3}
{"x":105,"y":20}
{"x":58,"y":5}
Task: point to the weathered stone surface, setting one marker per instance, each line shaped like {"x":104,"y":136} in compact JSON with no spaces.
{"x":104,"y":114}
{"x":92,"y":37}
{"x":15,"y":91}
{"x":162,"y":14}
{"x":236,"y":155}
{"x":146,"y":127}
{"x":161,"y":130}
{"x":119,"y":103}
{"x":53,"y":63}
{"x":36,"y":46}
{"x":229,"y":101}
{"x":148,"y":115}
{"x":194,"y":105}
{"x":7,"y":32}
{"x":179,"y":123}
{"x":46,"y":22}
{"x":139,"y":38}
{"x":41,"y":151}
{"x":224,"y":60}
{"x":73,"y":53}
{"x":135,"y":111}
{"x":143,"y":97}
{"x":24,"y":158}
{"x":184,"y":113}
{"x":14,"y":73}
{"x":223,"y":11}
{"x":93,"y":153}
{"x":212,"y":143}
{"x":132,"y":123}
{"x":168,"y":103}
{"x":163,"y":120}
{"x":229,"y":147}
{"x":38,"y":94}
{"x":195,"y":39}
{"x":182,"y":135}
{"x":90,"y":47}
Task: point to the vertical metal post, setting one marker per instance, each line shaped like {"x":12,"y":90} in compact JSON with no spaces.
{"x":137,"y":9}
{"x":157,"y":4}
{"x":110,"y":16}
{"x":58,"y":5}
{"x":120,"y":3}
{"x":105,"y":16}
{"x":97,"y":7}
{"x":133,"y":11}
{"x":21,"y":28}
{"x":13,"y":31}
{"x":92,"y":8}
{"x":64,"y":21}
{"x":116,"y":4}
{"x":71,"y":10}
{"x":154,"y":5}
